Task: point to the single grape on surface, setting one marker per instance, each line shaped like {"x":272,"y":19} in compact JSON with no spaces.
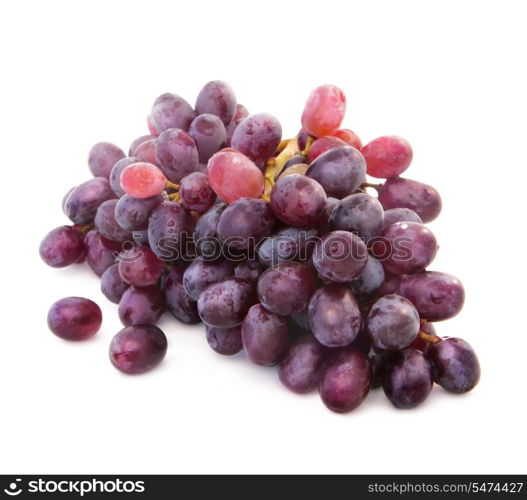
{"x":138,"y":349}
{"x":74,"y":318}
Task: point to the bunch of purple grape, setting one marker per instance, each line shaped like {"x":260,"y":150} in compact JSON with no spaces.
{"x":278,"y":246}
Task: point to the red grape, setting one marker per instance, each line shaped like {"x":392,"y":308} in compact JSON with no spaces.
{"x":322,"y":145}
{"x":102,"y":157}
{"x":195,"y":192}
{"x":140,"y":267}
{"x":387,"y":156}
{"x":233,"y":176}
{"x":62,"y":247}
{"x":142,"y":180}
{"x":176,"y":153}
{"x":74,"y":318}
{"x":324,"y":111}
{"x":349,"y":137}
{"x":170,"y":111}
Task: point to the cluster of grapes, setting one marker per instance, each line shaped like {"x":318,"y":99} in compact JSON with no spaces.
{"x":278,"y":246}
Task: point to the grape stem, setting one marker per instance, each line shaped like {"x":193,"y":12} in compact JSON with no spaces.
{"x":365,"y":185}
{"x":174,"y":196}
{"x":86,"y":228}
{"x":274,"y":165}
{"x":433,"y":339}
{"x":309,"y":143}
{"x":171,"y":185}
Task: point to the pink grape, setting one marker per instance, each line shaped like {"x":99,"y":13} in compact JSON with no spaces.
{"x":102,"y":157}
{"x":146,"y":151}
{"x":142,"y":180}
{"x":324,"y":111}
{"x":322,"y":145}
{"x":233,"y":176}
{"x":349,"y":137}
{"x":387,"y":156}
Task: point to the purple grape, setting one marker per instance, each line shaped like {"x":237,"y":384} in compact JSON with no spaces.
{"x":102,"y":157}
{"x":177,"y":301}
{"x":248,"y":270}
{"x":424,"y":200}
{"x":302,"y":139}
{"x":202,"y":273}
{"x":407,"y":378}
{"x":455,"y":365}
{"x":241,"y":112}
{"x":100,"y":252}
{"x":209,"y":134}
{"x":146,"y":151}
{"x":140,"y":306}
{"x":74,"y":318}
{"x":62,"y":247}
{"x":169,"y":228}
{"x":171,"y":111}
{"x":176,"y":153}
{"x":82,"y":204}
{"x":137,"y":142}
{"x":340,"y":171}
{"x":206,"y":233}
{"x":436,"y":296}
{"x":217,"y":98}
{"x":231,"y":128}
{"x":107,"y":225}
{"x":115,"y":174}
{"x":140,"y":267}
{"x":345,"y":380}
{"x":245,"y":222}
{"x":411,"y":247}
{"x":286,"y":289}
{"x":334,"y":316}
{"x":265,"y":336}
{"x":196,"y":193}
{"x":390,"y":284}
{"x":298,"y":200}
{"x":370,"y":280}
{"x":225,"y":304}
{"x":132,"y":214}
{"x":138,"y":349}
{"x":394,"y":215}
{"x":257,"y":137}
{"x":393,"y":322}
{"x":324,"y":223}
{"x":359,"y":213}
{"x":340,"y":256}
{"x":112,"y":285}
{"x":286,"y":245}
{"x":300,"y":370}
{"x":226,"y":341}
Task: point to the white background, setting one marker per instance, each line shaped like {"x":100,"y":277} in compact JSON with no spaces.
{"x":448,"y":76}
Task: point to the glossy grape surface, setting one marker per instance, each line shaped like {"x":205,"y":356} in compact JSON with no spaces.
{"x":112,"y":285}
{"x":142,"y":180}
{"x":322,"y":145}
{"x":83,"y":202}
{"x":436,"y":296}
{"x":74,"y":318}
{"x":176,"y":154}
{"x":340,"y":256}
{"x":62,"y":247}
{"x":117,"y":170}
{"x":226,"y":341}
{"x":455,"y":365}
{"x":102,"y":157}
{"x":393,"y":322}
{"x":218,"y":98}
{"x":132,"y":214}
{"x":138,"y":349}
{"x":393,"y":215}
{"x":408,"y":378}
{"x":201,"y":274}
{"x":177,"y":301}
{"x":334,"y":316}
{"x":286,"y":289}
{"x":424,"y":200}
{"x":345,"y":380}
{"x":140,"y":267}
{"x":195,"y":192}
{"x":387,"y":156}
{"x":141,"y":305}
{"x":290,"y":243}
{"x":225,"y":304}
{"x":100,"y":252}
{"x":265,"y":336}
{"x":298,"y":200}
{"x":209,"y":134}
{"x":324,"y":111}
{"x":107,"y":225}
{"x":340,"y":171}
{"x":300,"y":369}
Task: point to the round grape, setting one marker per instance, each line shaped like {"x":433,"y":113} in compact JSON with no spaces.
{"x":62,"y":247}
{"x":83,"y":202}
{"x":387,"y":156}
{"x":324,"y":111}
{"x":349,"y":137}
{"x":195,"y":192}
{"x":322,"y":145}
{"x":176,"y":153}
{"x":117,"y":170}
{"x":202,"y":273}
{"x":102,"y":157}
{"x":226,"y":341}
{"x":177,"y":302}
{"x":217,"y":98}
{"x":112,"y":285}
{"x":209,"y":134}
{"x":170,"y":111}
{"x":140,"y":306}
{"x":142,"y":180}
{"x":74,"y":318}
